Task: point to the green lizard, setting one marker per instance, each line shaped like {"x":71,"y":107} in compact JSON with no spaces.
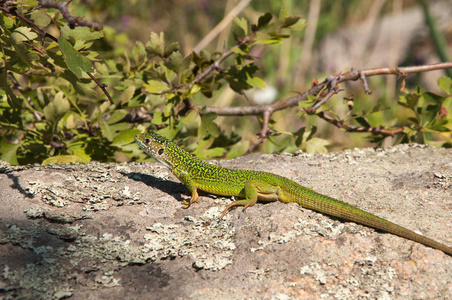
{"x":255,"y":185}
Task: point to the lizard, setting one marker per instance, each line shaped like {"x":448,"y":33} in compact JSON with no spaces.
{"x":252,"y":186}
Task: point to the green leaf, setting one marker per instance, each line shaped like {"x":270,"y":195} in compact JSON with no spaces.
{"x":363,"y":122}
{"x":289,"y":21}
{"x":414,"y":120}
{"x":445,"y":83}
{"x":186,"y":62}
{"x":139,"y":53}
{"x":299,"y":25}
{"x":169,"y":132}
{"x":62,"y":159}
{"x":263,"y":38}
{"x":40,"y":18}
{"x":433,"y":98}
{"x":127,"y":94}
{"x":316,"y":145}
{"x":117,"y":116}
{"x":194,"y":89}
{"x":264,"y":20}
{"x":79,"y":149}
{"x":141,"y":99}
{"x":168,"y":110}
{"x":22,"y":34}
{"x":158,"y":119}
{"x":8,"y":152}
{"x":210,"y":153}
{"x":192,"y":120}
{"x":256,"y":82}
{"x":13,"y":101}
{"x":125,"y":137}
{"x":203,"y":145}
{"x":431,"y":113}
{"x":75,"y":62}
{"x":110,"y":132}
{"x":412,"y":100}
{"x":299,"y":136}
{"x":21,"y":51}
{"x":56,"y":109}
{"x":155,"y":87}
{"x":239,"y":51}
{"x":80,"y":33}
{"x":237,"y":77}
{"x":8,"y":22}
{"x":173,"y":47}
{"x":283,"y":13}
{"x":242,"y":23}
{"x":238,"y":149}
{"x":312,"y":132}
{"x":156,"y":45}
{"x":174,"y":62}
{"x":439,"y":125}
{"x":61,"y":104}
{"x":208,"y":126}
{"x":379,"y":107}
{"x":132,"y":151}
{"x":202,"y":58}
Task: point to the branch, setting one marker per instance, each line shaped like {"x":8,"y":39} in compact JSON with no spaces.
{"x":294,"y":100}
{"x":330,"y":84}
{"x":72,"y":21}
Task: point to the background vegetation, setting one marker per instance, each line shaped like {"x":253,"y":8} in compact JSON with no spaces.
{"x":73,"y":93}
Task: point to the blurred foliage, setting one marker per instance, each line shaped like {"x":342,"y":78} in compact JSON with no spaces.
{"x":50,"y":107}
{"x":51,"y":110}
{"x":427,"y":115}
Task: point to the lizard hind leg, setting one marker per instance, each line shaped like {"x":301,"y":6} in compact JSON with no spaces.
{"x":250,"y":198}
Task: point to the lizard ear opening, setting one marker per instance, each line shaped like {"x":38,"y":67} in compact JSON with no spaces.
{"x":160,"y":151}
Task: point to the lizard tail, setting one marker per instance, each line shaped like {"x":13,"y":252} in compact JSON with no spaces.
{"x":330,"y":206}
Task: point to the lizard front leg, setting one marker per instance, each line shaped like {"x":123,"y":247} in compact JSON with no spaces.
{"x":186,"y":180}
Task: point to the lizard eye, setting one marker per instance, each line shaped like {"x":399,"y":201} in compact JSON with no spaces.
{"x":147,"y":141}
{"x":160,"y":151}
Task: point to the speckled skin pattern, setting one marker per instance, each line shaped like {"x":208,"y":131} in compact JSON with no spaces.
{"x":255,"y":185}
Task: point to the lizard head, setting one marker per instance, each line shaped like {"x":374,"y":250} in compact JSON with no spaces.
{"x":159,"y":148}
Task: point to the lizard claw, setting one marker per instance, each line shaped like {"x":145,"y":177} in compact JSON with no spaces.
{"x":187,"y":204}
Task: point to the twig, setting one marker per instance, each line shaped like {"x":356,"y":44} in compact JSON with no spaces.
{"x":264,"y":132}
{"x":217,"y":29}
{"x":308,"y":42}
{"x":332,"y":85}
{"x":350,"y":128}
{"x":365,"y":85}
{"x":103,"y":88}
{"x":216,"y":64}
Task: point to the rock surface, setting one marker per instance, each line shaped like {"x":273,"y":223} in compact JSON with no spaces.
{"x":98,"y":231}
